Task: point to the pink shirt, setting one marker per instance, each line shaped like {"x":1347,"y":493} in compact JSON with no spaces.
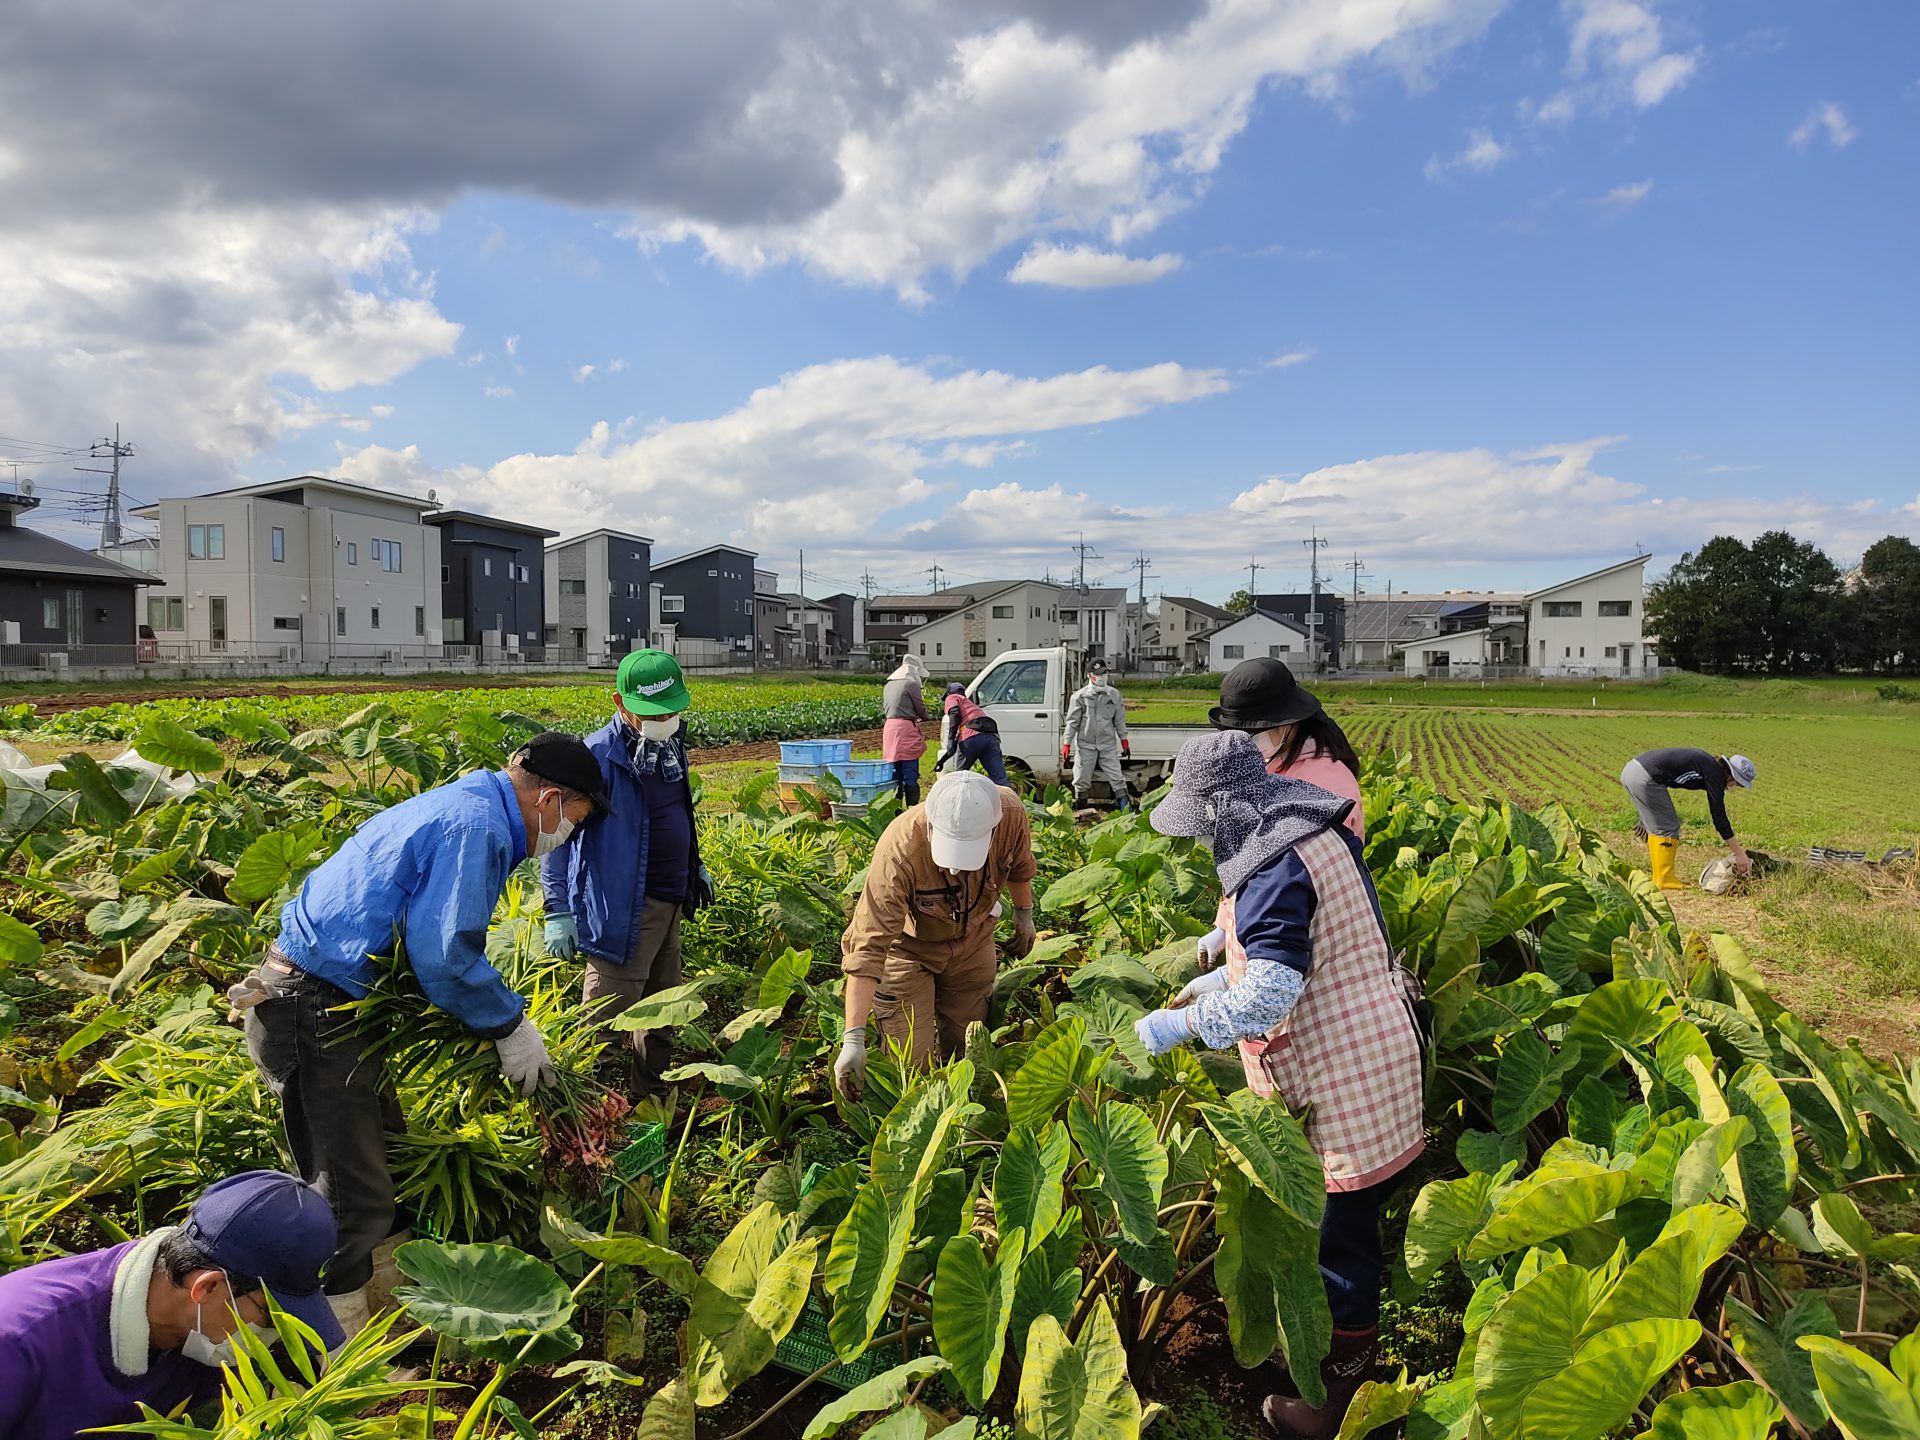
{"x":1329,"y":774}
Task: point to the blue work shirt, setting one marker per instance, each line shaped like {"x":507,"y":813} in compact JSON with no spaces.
{"x":431,"y":869}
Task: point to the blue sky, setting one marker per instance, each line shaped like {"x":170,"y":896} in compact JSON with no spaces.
{"x":1486,"y":294}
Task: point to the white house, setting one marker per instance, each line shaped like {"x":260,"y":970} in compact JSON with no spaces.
{"x":1095,"y":620}
{"x":600,"y":593}
{"x":301,"y":569}
{"x":1173,"y":636}
{"x":1594,"y":625}
{"x":1257,"y":634}
{"x":1466,"y":652}
{"x":1019,"y":615}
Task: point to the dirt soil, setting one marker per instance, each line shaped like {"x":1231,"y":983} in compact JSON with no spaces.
{"x":60,"y":704}
{"x":764,"y":750}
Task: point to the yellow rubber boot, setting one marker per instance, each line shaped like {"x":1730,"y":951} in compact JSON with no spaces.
{"x":1663,"y":850}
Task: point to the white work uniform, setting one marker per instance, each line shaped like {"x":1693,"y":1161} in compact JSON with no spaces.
{"x":1096,"y":724}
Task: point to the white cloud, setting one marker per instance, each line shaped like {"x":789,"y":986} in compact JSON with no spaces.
{"x":614,"y":367}
{"x":1083,"y":267}
{"x":1733,"y":469}
{"x":1290,"y":359}
{"x":583,"y":373}
{"x":381,"y":412}
{"x":1618,"y":54}
{"x":513,"y":345}
{"x":1825,"y":121}
{"x":1625,"y":197}
{"x":498,"y":392}
{"x":1479,"y":154}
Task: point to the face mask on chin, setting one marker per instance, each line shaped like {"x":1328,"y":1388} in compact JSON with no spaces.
{"x":217,"y":1353}
{"x":547,"y":841}
{"x":659,"y":727}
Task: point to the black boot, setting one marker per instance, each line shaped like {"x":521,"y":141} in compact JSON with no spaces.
{"x":910,"y":795}
{"x":1349,"y":1365}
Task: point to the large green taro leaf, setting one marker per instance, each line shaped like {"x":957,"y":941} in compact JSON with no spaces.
{"x":1867,"y":1400}
{"x":749,"y":1294}
{"x":1530,"y":1338}
{"x":1446,"y":1215}
{"x":1268,"y":1273}
{"x":1077,"y":1391}
{"x":1026,"y":1180}
{"x":1663,"y":1281}
{"x":493,"y":1298}
{"x":1561,"y":1196}
{"x":1530,"y":1079}
{"x":1272,"y":1151}
{"x":1740,"y":1411}
{"x":1609,"y":1377}
{"x":1129,"y":1162}
{"x":972,"y":1306}
{"x":1775,"y":1355}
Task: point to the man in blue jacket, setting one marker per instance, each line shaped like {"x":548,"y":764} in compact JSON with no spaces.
{"x":616,"y":898}
{"x":427,"y":872}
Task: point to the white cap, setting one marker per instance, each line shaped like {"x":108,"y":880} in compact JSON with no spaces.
{"x":1743,"y":771}
{"x":962,"y":809}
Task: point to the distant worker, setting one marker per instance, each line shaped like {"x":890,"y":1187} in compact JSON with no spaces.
{"x":919,"y":953}
{"x":1649,"y":777}
{"x":1095,"y":737}
{"x":87,"y":1339}
{"x":971,"y":734}
{"x":902,"y":741}
{"x":425,"y":874}
{"x":616,"y":896}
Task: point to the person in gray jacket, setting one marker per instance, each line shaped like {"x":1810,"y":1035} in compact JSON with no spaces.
{"x":1095,"y":737}
{"x":902,"y":741}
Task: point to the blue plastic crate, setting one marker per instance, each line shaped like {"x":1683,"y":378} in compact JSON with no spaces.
{"x":815,"y":752}
{"x":862,"y":772}
{"x":865,"y":794}
{"x":801,"y":774}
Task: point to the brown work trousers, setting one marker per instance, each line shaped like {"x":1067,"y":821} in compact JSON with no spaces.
{"x":931,"y":1010}
{"x":654,"y":966}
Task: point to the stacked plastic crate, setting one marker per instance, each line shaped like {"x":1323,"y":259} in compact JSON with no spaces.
{"x":805,"y":766}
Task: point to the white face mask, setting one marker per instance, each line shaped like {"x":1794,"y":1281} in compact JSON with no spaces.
{"x":547,"y":841}
{"x":663,"y":727}
{"x":216,"y":1353}
{"x":1270,"y":741}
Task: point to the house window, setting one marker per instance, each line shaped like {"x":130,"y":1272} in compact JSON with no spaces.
{"x":376,"y":617}
{"x":1069,"y":616}
{"x":486,"y":565}
{"x":1613,"y":652}
{"x":340,"y":621}
{"x":673,"y":604}
{"x":419,"y":619}
{"x":1233,"y":652}
{"x":393,"y":556}
{"x":207,"y":542}
{"x":977,"y":649}
{"x":167,"y":612}
{"x":1274,"y":652}
{"x":712,"y":573}
{"x":525,"y":576}
{"x":1583,"y":652}
{"x":353,"y":552}
{"x":50,"y":614}
{"x":456,"y":629}
{"x":1003,"y":612}
{"x":1615,"y":609}
{"x":938,"y":649}
{"x":1036,"y":612}
{"x":923,"y":647}
{"x":279,"y":543}
{"x":286,"y":622}
{"x":573,"y":587}
{"x":445,"y":574}
{"x":1560,"y":609}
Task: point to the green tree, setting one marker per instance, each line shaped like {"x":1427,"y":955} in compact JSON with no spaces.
{"x":1240,"y":602}
{"x":1886,"y":615}
{"x":1799,"y":602}
{"x":1705,"y":610}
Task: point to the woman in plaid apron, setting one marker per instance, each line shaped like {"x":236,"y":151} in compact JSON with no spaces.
{"x":1320,"y":1011}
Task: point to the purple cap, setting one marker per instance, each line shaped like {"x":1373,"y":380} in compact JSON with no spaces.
{"x":279,"y":1228}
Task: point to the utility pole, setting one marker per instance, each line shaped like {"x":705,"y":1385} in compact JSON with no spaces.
{"x":1085,"y":552}
{"x":1315,"y":546}
{"x":1140,"y":563}
{"x":100,"y":450}
{"x":1358,"y":575}
{"x":1254,"y":567}
{"x":936,"y":572}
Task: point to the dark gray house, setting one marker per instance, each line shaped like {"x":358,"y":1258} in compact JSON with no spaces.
{"x":62,"y":598}
{"x":1298,"y":608}
{"x":708,"y":595}
{"x":492,"y":580}
{"x":846,"y":633}
{"x":598,"y":599}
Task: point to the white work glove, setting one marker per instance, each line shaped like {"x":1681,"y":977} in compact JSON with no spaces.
{"x":1207,"y":984}
{"x":850,"y":1065}
{"x":524,"y":1059}
{"x":248,"y":993}
{"x":1210,"y":947}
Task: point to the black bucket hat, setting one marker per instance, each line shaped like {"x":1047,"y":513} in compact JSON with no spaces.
{"x":1259,"y":694}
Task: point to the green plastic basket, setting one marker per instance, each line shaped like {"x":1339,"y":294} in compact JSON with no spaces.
{"x":646,"y":1154}
{"x":806,"y":1348}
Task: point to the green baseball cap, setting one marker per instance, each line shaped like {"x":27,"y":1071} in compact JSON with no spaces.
{"x":649,"y":683}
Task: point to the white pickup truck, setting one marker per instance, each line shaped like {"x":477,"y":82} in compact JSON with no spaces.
{"x":1026,"y":692}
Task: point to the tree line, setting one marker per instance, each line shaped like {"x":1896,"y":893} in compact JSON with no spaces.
{"x":1781,"y":606}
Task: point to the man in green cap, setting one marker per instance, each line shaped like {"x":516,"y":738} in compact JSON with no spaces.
{"x":617,"y":902}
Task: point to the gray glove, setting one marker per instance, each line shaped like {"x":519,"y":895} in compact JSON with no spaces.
{"x":524,"y":1059}
{"x":850,"y":1065}
{"x":247,"y":994}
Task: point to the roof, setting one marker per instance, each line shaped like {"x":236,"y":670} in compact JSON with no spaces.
{"x":939,"y":600}
{"x":474,"y":517}
{"x":1187,"y":602}
{"x":1401,"y":619}
{"x":610,"y":534}
{"x":1445,"y":637}
{"x":705,"y":550}
{"x":37,"y":552}
{"x":295,"y":482}
{"x":1639,"y":561}
{"x":1096,"y":597}
{"x":1267,"y":615}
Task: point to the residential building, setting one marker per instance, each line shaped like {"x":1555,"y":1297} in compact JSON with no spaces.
{"x":57,"y":598}
{"x":1095,"y":621}
{"x":1468,"y":651}
{"x":597,"y":593}
{"x":1011,"y":615}
{"x":1380,"y":631}
{"x":773,"y":642}
{"x":493,"y":587}
{"x":1593,"y":625}
{"x":849,"y":633}
{"x":1175,"y":641}
{"x":812,"y":622}
{"x":1257,"y":633}
{"x":891,"y":618}
{"x":305,"y":568}
{"x":1323,"y":614}
{"x":707,"y":594}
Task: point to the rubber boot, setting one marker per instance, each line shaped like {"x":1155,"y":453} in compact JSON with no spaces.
{"x":1663,"y":851}
{"x":1349,"y":1365}
{"x":351,"y":1310}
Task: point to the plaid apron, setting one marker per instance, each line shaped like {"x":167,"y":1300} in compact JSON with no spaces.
{"x":1349,"y":1053}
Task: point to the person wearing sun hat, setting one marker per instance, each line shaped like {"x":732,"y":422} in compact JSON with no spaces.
{"x":87,"y":1339}
{"x":1647,"y":780}
{"x":616,"y":899}
{"x":919,"y":953}
{"x":1321,"y":1012}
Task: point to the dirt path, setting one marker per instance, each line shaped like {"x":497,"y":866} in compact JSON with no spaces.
{"x":770,"y":749}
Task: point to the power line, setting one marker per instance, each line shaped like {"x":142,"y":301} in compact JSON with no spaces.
{"x":1254,"y":567}
{"x":1086,"y":552}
